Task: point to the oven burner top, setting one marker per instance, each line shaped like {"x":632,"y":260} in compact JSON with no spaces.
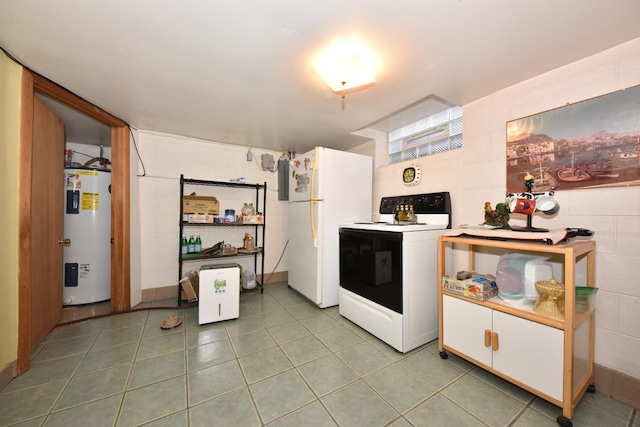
{"x":432,"y":210}
{"x":391,"y":223}
{"x":398,"y":228}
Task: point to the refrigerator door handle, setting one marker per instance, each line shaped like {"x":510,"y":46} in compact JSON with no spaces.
{"x":314,"y":168}
{"x":314,"y":232}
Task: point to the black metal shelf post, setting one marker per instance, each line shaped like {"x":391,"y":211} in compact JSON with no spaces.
{"x":260,"y":236}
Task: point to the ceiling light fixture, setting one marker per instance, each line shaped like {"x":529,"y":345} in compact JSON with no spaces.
{"x":342,"y":68}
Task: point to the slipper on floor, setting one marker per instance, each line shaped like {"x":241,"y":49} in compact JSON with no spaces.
{"x":171,"y":322}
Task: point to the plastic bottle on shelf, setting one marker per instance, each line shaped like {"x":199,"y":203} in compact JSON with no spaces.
{"x":198,"y":244}
{"x":192,"y":244}
{"x":248,"y":278}
{"x":185,"y":245}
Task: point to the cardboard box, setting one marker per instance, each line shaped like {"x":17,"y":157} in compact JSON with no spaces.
{"x":200,"y":218}
{"x":253,"y":219}
{"x":190,"y":286}
{"x":229,"y":250}
{"x":200,"y":205}
{"x":481,"y":287}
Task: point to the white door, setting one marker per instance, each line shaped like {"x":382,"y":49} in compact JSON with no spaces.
{"x":302,"y":175}
{"x":530,"y":353}
{"x":303,"y":255}
{"x":464,"y":327}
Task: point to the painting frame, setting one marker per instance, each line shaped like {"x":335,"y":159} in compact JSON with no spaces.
{"x":594,"y":143}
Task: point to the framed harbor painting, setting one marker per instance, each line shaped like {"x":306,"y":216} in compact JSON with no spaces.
{"x":589,"y":144}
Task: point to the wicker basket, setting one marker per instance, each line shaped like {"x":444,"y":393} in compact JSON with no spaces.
{"x":550,"y":301}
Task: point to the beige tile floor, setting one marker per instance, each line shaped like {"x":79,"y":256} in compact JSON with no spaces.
{"x":284,"y":362}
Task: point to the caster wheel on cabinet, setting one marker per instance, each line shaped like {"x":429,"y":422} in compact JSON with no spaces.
{"x":564,"y":421}
{"x":444,"y":355}
{"x":591,"y":389}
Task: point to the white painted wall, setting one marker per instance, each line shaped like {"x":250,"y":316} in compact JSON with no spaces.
{"x":477,"y":173}
{"x":165,"y":157}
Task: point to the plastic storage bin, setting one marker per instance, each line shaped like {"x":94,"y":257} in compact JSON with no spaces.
{"x":517,"y":275}
{"x":585,"y":298}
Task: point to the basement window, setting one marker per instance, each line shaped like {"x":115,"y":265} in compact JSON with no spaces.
{"x":435,"y":134}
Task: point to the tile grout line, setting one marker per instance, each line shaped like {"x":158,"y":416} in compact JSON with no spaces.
{"x":133,"y":362}
{"x":456,"y":404}
{"x":521,"y":412}
{"x":357,"y":378}
{"x":293,"y":367}
{"x":72,"y":376}
{"x":244,"y":376}
{"x":633,"y":417}
{"x":186,"y":370}
{"x":296,"y":368}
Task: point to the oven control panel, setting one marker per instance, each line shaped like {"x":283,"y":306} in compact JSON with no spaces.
{"x":428,"y":203}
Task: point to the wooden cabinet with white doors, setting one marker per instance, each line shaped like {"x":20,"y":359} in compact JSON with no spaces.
{"x":528,"y":352}
{"x":548,"y":357}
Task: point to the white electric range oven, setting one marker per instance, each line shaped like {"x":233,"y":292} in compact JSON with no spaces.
{"x":388,"y":271}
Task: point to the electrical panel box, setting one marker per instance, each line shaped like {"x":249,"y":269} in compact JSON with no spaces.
{"x":283,"y":180}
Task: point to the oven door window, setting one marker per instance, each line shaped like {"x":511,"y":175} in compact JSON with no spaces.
{"x":371,"y":266}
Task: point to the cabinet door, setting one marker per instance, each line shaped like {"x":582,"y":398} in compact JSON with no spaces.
{"x":530,"y":353}
{"x":464,"y":325}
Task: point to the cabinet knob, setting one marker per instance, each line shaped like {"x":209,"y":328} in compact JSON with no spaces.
{"x":494,"y":342}
{"x":487,"y":337}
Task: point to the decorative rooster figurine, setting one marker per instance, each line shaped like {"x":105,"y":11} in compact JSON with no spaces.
{"x":498,"y":217}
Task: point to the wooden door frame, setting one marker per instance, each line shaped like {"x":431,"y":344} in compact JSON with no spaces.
{"x":31,"y":84}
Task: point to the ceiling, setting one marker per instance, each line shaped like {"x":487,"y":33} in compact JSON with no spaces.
{"x":240,"y":72}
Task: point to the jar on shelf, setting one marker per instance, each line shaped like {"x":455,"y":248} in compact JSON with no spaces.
{"x":250,"y":243}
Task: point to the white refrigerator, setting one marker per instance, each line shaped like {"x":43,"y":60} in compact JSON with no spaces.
{"x":326,"y":188}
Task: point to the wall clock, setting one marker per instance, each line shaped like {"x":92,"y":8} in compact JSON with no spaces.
{"x":411,"y":175}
